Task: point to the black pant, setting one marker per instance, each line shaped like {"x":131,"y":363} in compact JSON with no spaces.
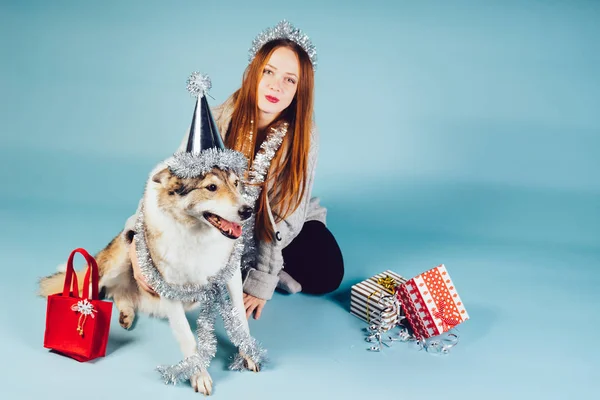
{"x":314,"y":259}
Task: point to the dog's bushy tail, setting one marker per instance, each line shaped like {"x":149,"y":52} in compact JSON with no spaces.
{"x":114,"y":254}
{"x":54,"y":283}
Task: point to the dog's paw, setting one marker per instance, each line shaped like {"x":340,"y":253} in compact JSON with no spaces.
{"x":126,"y":318}
{"x":249,"y":364}
{"x":202,"y":383}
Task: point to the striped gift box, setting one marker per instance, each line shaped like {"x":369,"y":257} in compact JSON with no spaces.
{"x":431,"y":303}
{"x":369,"y":292}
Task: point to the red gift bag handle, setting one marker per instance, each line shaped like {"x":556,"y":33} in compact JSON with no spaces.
{"x":71,"y":275}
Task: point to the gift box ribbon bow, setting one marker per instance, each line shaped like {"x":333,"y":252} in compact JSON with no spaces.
{"x":389,"y":285}
{"x":447,"y":322}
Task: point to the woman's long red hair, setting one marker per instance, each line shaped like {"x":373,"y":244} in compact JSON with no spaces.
{"x":289,"y":166}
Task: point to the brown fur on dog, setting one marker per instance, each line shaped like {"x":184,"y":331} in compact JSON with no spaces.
{"x":207,"y":187}
{"x":54,"y":283}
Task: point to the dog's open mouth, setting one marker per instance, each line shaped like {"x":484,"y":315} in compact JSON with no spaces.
{"x":227,"y":228}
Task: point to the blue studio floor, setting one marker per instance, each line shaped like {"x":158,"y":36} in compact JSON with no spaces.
{"x":520,"y":260}
{"x":464,"y":133}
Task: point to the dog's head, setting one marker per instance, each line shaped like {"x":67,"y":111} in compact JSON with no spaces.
{"x":213,"y":199}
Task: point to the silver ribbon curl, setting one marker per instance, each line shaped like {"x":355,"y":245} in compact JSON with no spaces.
{"x":440,"y":344}
{"x":384,"y":322}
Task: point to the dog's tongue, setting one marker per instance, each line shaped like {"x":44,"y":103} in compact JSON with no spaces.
{"x":232,"y":227}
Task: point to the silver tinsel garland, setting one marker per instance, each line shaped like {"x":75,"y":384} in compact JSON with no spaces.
{"x":284,"y":30}
{"x":213,"y":296}
{"x":188,"y":165}
{"x":186,"y":293}
{"x":252,"y":190}
{"x":238,"y":336}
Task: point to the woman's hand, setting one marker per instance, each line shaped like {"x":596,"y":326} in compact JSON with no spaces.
{"x":253,"y":305}
{"x":137,"y":274}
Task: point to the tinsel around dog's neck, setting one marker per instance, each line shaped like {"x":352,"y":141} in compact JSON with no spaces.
{"x":186,"y":293}
{"x":214,"y":297}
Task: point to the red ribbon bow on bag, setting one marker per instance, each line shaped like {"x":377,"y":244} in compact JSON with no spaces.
{"x":447,"y":323}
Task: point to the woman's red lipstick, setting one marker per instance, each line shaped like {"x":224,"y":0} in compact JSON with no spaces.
{"x":272,"y":99}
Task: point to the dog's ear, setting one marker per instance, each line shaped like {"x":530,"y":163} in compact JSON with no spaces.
{"x":162,"y":176}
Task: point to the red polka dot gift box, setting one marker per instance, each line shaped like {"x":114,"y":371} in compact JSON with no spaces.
{"x":431,"y":303}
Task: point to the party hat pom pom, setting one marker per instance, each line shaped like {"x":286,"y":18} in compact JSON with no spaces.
{"x":198,"y":84}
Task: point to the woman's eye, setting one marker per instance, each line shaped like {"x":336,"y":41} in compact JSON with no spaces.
{"x":290,"y":80}
{"x":212,"y":187}
{"x":267,"y":71}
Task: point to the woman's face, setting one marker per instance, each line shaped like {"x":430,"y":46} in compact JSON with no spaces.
{"x":278,"y":84}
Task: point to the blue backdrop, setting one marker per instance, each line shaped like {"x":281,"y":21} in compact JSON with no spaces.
{"x":462,"y":132}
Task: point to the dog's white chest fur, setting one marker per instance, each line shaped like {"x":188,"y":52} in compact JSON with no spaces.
{"x":184,"y":254}
{"x":192,"y":257}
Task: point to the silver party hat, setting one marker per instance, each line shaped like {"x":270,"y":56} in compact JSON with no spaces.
{"x":204,"y":149}
{"x":203,"y":131}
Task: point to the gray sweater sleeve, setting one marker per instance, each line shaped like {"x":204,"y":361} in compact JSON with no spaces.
{"x":262,"y":280}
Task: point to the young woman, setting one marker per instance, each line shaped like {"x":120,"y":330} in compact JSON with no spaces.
{"x":272,"y":114}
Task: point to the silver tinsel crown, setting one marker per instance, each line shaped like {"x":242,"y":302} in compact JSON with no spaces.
{"x":284,"y":30}
{"x":198,"y":84}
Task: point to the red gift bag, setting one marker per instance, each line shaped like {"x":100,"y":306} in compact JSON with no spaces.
{"x":78,"y":326}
